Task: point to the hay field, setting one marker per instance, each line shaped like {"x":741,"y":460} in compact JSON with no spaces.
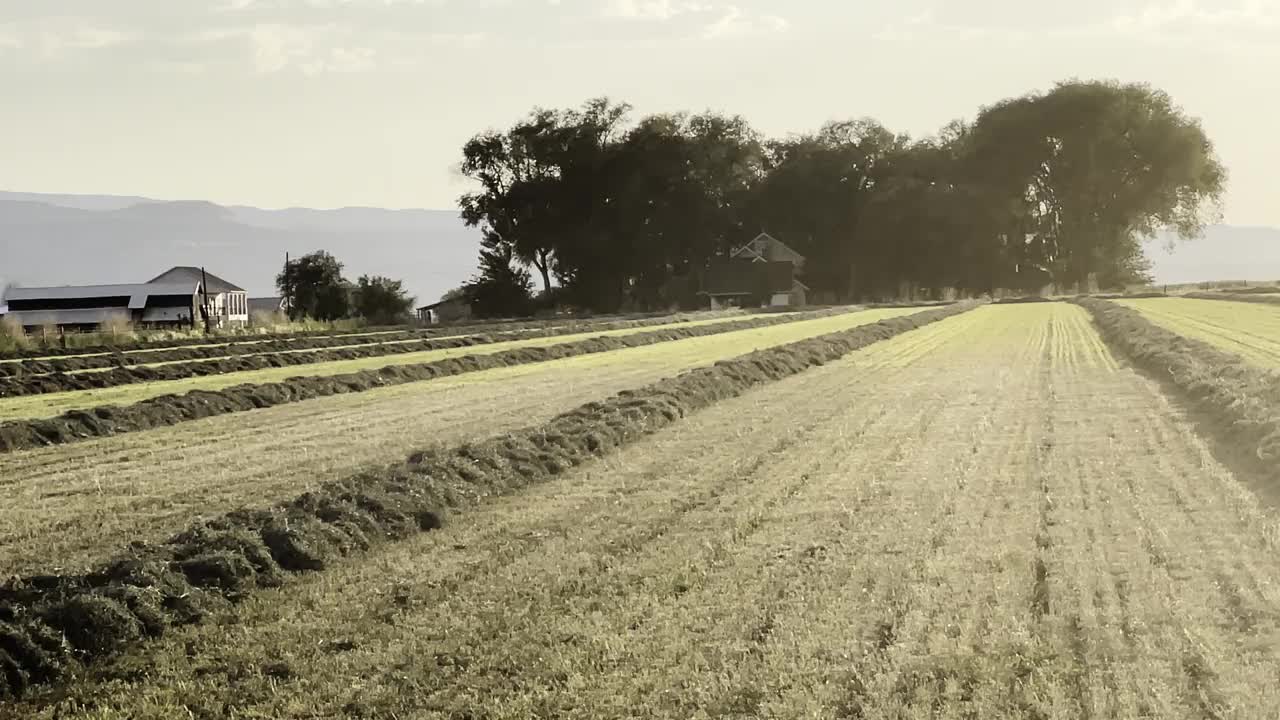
{"x":1250,"y":330}
{"x":53,"y":404}
{"x":988,"y":517}
{"x":70,"y":506}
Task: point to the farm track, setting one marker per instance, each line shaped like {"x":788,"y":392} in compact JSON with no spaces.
{"x":70,"y":506}
{"x":987,"y":517}
{"x":1250,"y":330}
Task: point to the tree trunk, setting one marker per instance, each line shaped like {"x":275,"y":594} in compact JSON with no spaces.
{"x":544,"y":269}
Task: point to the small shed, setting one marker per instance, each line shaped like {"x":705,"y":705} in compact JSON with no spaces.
{"x":446,"y":311}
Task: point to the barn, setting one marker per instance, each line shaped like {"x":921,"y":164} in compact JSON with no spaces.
{"x":88,"y":307}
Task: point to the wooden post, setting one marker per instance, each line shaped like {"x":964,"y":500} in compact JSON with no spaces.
{"x":204,"y":303}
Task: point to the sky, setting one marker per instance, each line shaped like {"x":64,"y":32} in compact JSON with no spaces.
{"x":329,"y":103}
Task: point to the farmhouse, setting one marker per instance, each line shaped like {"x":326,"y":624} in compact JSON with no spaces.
{"x":228,"y":303}
{"x":761,"y":273}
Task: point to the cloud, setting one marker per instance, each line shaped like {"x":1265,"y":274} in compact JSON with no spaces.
{"x":1190,"y":14}
{"x":734,"y":22}
{"x":54,"y":38}
{"x":714,"y":19}
{"x":652,"y":9}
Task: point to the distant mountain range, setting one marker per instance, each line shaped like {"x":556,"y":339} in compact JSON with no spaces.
{"x":99,"y":239}
{"x":102,"y":239}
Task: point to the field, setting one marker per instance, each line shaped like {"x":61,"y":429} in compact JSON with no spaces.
{"x":1249,"y":330}
{"x":992,"y":512}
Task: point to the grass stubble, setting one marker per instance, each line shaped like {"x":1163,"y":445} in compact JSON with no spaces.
{"x":1002,"y":522}
{"x":49,"y":621}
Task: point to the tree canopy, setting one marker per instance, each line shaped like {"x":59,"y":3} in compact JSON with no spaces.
{"x":1056,"y":187}
{"x":381,"y":300}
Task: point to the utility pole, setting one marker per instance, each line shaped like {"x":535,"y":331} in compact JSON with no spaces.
{"x":288,"y":296}
{"x":204,"y":302}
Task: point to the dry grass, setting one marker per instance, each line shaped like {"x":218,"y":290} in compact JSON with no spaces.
{"x":999,"y":523}
{"x":69,"y":506}
{"x":1249,"y":330}
{"x":54,"y":404}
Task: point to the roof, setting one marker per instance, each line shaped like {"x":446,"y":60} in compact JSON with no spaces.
{"x":137,"y":294}
{"x":766,"y":248}
{"x":747,"y":277}
{"x":450,"y":301}
{"x":92,"y":316}
{"x":187,"y":273}
{"x":266,"y":304}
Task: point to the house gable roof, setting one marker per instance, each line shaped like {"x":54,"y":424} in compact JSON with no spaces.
{"x":187,"y":273}
{"x":766,"y":248}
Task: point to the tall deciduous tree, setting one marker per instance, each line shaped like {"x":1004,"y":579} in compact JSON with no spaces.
{"x":381,"y":300}
{"x":314,"y":287}
{"x":1102,"y":165}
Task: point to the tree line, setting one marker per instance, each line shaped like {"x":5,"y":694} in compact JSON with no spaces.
{"x":587,"y":207}
{"x":313,"y":286}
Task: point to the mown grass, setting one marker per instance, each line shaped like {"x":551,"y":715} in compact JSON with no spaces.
{"x":53,"y":404}
{"x":1009,"y":528}
{"x":68,"y":505}
{"x":1249,"y":330}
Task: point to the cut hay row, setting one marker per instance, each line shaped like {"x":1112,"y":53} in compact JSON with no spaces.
{"x":1269,"y":297}
{"x":235,"y":349}
{"x":131,"y":345}
{"x":1248,"y":330}
{"x":171,"y":409}
{"x":1242,"y":400}
{"x":67,"y":507}
{"x":42,"y":384}
{"x":50,"y":623}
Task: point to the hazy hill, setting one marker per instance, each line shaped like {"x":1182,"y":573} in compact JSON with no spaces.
{"x":90,"y":239}
{"x":1226,"y":252}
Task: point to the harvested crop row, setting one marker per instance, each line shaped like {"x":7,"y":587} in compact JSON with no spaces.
{"x":171,"y":409}
{"x":1242,"y":399}
{"x":233,"y":350}
{"x":1250,"y":331}
{"x":47,"y":623}
{"x":1262,"y":298}
{"x":26,"y":385}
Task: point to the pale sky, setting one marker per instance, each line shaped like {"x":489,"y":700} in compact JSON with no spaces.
{"x":327,"y":103}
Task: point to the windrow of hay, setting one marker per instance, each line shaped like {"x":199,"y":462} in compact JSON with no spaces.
{"x":1241,"y":400}
{"x":24,"y":384}
{"x":156,"y":341}
{"x":233,"y":350}
{"x":165,"y":410}
{"x":49,"y":623}
{"x":1261,"y":298}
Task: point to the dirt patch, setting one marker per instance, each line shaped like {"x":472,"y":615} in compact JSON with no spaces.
{"x":176,"y":582}
{"x":167,"y":410}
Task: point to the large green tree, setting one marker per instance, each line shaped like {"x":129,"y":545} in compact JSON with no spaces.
{"x":1099,"y":166}
{"x":313,"y":287}
{"x":381,"y":300}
